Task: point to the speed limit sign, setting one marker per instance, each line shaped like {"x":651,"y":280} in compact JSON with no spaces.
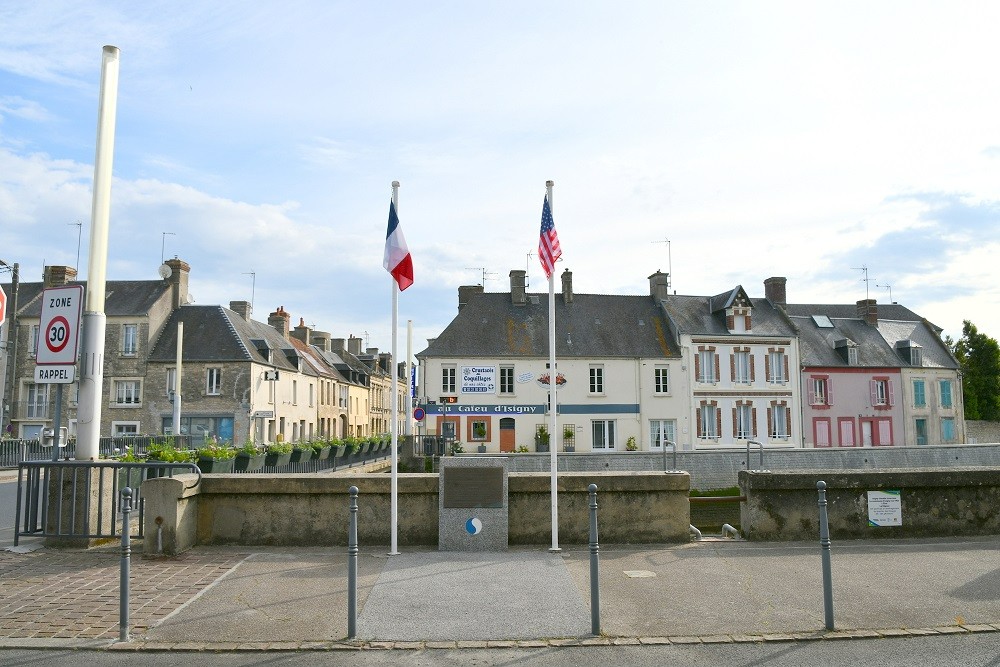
{"x":60,"y":325}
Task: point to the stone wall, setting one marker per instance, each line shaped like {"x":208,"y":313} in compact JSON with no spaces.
{"x":312,"y":510}
{"x":958,"y":501}
{"x":982,"y":432}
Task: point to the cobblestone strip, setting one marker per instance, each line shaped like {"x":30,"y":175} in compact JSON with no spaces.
{"x":74,"y":595}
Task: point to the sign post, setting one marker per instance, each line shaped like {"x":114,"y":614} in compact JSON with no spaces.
{"x":55,"y":359}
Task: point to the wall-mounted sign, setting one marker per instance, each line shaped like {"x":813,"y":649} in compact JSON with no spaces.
{"x":543,"y":379}
{"x":479,"y":380}
{"x":885,"y":508}
{"x":485,"y":409}
{"x":523,"y":378}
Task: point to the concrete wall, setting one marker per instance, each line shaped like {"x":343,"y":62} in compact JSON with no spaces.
{"x":719,"y":469}
{"x":935,"y":503}
{"x":312,"y":510}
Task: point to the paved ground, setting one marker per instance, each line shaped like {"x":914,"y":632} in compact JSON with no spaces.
{"x":701,"y":592}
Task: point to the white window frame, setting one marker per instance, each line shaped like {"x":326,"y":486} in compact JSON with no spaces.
{"x":776,"y":367}
{"x":661,"y":380}
{"x":779,"y":422}
{"x":708,"y":417}
{"x":744,"y":422}
{"x":506,"y":380}
{"x":213,"y":381}
{"x":741,"y":367}
{"x":126,"y":389}
{"x":130,"y":340}
{"x":33,"y":352}
{"x":117,"y":426}
{"x":448,"y":374}
{"x":661,"y":430}
{"x":706,"y":367}
{"x":596,"y":379}
{"x":37,"y":402}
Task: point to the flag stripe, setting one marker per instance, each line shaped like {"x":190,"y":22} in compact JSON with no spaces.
{"x":548,"y":241}
{"x":397,"y":260}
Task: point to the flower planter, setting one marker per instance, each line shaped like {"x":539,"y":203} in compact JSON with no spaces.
{"x":322,"y":453}
{"x":216,"y":465}
{"x":301,"y":455}
{"x":481,"y":449}
{"x":248,"y":463}
{"x":569,"y":448}
{"x":542,"y":448}
{"x":277,"y":460}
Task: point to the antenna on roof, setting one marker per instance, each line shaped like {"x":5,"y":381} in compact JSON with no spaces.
{"x":366,"y":338}
{"x":527,"y":270}
{"x":670,"y":266}
{"x":253,"y":286}
{"x":888,"y":287}
{"x":866,"y":279}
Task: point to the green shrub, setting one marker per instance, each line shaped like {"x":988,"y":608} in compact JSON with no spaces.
{"x":216,"y":452}
{"x":279,"y":448}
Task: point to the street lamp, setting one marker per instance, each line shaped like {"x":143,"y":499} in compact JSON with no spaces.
{"x":12,"y":343}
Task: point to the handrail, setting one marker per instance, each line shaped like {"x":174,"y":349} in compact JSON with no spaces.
{"x":759,"y":444}
{"x":673,"y":446}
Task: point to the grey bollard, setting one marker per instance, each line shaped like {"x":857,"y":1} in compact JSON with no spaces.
{"x":123,"y":590}
{"x":352,"y":565}
{"x":824,"y":541}
{"x":595,"y":583}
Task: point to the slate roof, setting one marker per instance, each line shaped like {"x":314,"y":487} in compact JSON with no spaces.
{"x":123,"y":298}
{"x":701,"y":315}
{"x":591,"y":326}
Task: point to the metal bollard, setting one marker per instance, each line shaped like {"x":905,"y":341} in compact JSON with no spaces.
{"x":352,"y":565}
{"x":824,"y":541}
{"x":595,"y":583}
{"x":123,"y":592}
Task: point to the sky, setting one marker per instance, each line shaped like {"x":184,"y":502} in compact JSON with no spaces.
{"x":725,"y":142}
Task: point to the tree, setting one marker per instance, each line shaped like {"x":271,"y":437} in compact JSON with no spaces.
{"x":979,"y":356}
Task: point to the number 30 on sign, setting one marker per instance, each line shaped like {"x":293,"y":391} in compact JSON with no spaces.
{"x":60,"y":325}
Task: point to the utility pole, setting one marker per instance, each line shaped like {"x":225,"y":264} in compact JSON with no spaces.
{"x":12,"y":329}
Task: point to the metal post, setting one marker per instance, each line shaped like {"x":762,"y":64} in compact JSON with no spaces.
{"x":126,"y":556}
{"x":57,"y":422}
{"x":352,"y":565}
{"x":824,"y":541}
{"x":761,"y":446}
{"x":595,"y":583}
{"x":673,"y":447}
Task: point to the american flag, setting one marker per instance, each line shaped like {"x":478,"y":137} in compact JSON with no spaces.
{"x":548,"y":241}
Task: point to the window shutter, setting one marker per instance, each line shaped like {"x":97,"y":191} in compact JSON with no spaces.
{"x":784,"y":358}
{"x":884,"y":432}
{"x":753,"y":421}
{"x":770,"y":421}
{"x":788,"y":423}
{"x":730,"y":322}
{"x":752,"y":373}
{"x":889,"y":393}
{"x":829,"y":391}
{"x":811,"y":392}
{"x":746,"y":323}
{"x":873,"y":390}
{"x":718,"y":374}
{"x":736,"y":431}
{"x":697,"y":367}
{"x":718,"y":422}
{"x":732,"y":367}
{"x":701,"y":415}
{"x":767,"y":368}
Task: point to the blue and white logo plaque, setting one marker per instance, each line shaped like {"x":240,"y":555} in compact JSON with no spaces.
{"x":473,"y":526}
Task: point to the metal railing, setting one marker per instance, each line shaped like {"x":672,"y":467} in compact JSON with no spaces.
{"x":80,"y":499}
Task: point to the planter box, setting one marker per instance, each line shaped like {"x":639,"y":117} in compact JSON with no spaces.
{"x":541,"y":448}
{"x":301,"y":455}
{"x":323,"y":453}
{"x":481,"y":449}
{"x":216,"y":465}
{"x":277,"y":460}
{"x":247,"y":463}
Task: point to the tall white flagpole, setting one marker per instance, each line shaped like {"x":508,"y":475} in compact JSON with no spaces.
{"x":394,"y":428}
{"x":553,"y":406}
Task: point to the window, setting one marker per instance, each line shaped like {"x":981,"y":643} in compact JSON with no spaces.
{"x":779,"y":421}
{"x":603,"y":433}
{"x":845,"y":426}
{"x":127,"y":392}
{"x":479,"y":429}
{"x":919,"y":395}
{"x":448,"y":380}
{"x":34,"y":340}
{"x":171,"y":380}
{"x":38,"y":400}
{"x":662,"y":432}
{"x":744,"y":426}
{"x":947,"y":429}
{"x":945,"y":388}
{"x":125,"y":428}
{"x":921,"y":429}
{"x":311,"y":398}
{"x":881,"y":393}
{"x":130,"y":342}
{"x":777,"y":367}
{"x":295,"y":392}
{"x":213,"y":381}
{"x":709,"y":421}
{"x":341,"y":398}
{"x":742,"y":367}
{"x":661,"y":380}
{"x":706,"y":366}
{"x":506,"y":379}
{"x":597,"y":379}
{"x":821,"y":431}
{"x":819,"y":390}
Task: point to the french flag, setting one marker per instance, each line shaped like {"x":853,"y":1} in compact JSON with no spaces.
{"x":397,"y":260}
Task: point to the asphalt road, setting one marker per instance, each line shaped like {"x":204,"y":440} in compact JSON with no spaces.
{"x":976,"y":650}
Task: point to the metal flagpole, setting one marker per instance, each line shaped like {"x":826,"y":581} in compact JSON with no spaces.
{"x":394,"y":428}
{"x":553,"y":406}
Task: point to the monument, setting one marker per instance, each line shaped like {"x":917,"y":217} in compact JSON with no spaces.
{"x":472,"y":504}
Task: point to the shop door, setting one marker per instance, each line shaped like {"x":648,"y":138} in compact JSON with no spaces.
{"x":507,"y":434}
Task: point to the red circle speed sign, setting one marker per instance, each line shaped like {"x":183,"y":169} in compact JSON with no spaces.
{"x":57,"y":334}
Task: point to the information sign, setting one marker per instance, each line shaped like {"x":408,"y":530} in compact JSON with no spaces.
{"x":885,"y":508}
{"x":59,"y":330}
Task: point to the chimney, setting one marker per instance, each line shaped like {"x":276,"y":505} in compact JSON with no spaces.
{"x":658,"y":286}
{"x":57,"y":276}
{"x":466,"y":292}
{"x":868,"y":311}
{"x":241,"y":308}
{"x":774,"y":290}
{"x":567,"y":286}
{"x":178,"y":280}
{"x":321,"y":339}
{"x":337,"y":345}
{"x":279,"y":320}
{"x":385,"y":361}
{"x":371,"y":351}
{"x":517,"y":287}
{"x":302,"y":332}
{"x":354,"y":346}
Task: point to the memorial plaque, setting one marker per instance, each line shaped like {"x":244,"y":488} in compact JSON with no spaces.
{"x":472,"y":487}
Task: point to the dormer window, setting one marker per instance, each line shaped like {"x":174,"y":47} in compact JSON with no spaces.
{"x":738,"y":320}
{"x":848,"y":351}
{"x":910,"y":352}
